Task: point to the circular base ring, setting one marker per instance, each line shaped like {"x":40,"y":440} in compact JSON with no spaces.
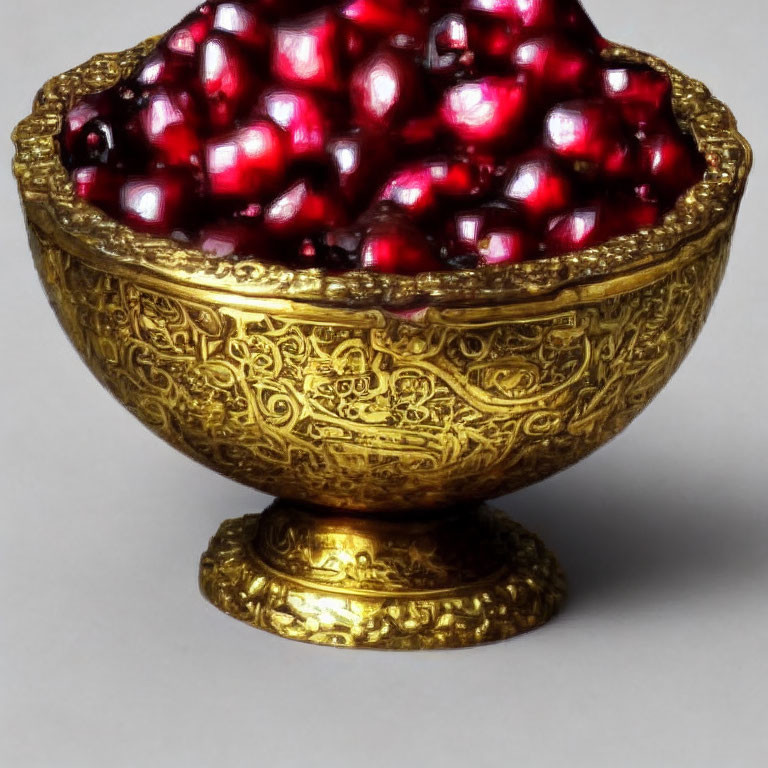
{"x":439,"y":582}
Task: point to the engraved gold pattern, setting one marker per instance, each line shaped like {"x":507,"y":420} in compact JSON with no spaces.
{"x":471,"y":579}
{"x":359,"y":409}
{"x":308,"y":386}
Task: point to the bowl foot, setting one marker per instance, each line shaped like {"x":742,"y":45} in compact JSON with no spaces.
{"x":447,"y":581}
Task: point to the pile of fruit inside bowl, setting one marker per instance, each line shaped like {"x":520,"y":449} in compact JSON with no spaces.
{"x":386,"y":135}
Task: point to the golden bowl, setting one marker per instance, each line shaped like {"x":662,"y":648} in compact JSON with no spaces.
{"x":407,"y":398}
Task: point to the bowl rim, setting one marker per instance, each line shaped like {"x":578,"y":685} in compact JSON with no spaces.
{"x":50,"y":203}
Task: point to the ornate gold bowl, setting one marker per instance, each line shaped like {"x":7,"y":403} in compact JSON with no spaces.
{"x":323,"y":390}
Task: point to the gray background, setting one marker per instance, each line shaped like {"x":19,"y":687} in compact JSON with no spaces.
{"x":109,"y":657}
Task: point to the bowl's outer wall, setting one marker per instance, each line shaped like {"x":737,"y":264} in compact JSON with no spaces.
{"x":361,"y":409}
{"x":316,"y":400}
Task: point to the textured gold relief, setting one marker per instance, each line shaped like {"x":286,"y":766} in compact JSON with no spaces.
{"x":315,"y":388}
{"x":360,"y":409}
{"x":461,"y":580}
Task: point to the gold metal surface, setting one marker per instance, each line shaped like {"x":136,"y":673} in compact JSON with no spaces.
{"x":313,"y":388}
{"x":457,"y":580}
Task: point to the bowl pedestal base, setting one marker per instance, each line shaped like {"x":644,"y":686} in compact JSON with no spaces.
{"x":458,"y":579}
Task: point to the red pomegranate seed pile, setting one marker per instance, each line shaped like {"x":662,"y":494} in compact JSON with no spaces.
{"x":386,"y":135}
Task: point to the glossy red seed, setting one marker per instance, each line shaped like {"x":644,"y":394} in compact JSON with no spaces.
{"x":577,"y":25}
{"x":243,"y":22}
{"x":186,"y":37}
{"x":306,"y":51}
{"x":521,"y":13}
{"x":448,"y":45}
{"x":412,"y":190}
{"x":340,"y":249}
{"x":622,"y":161}
{"x":226,"y":79}
{"x":163,"y":67}
{"x":386,"y":18}
{"x":443,"y":92}
{"x":246,"y":164}
{"x":356,"y":44}
{"x":98,"y":185}
{"x":536,"y":14}
{"x":491,"y":40}
{"x":599,"y":221}
{"x":302,"y":116}
{"x":586,"y":130}
{"x":646,"y":193}
{"x":243,"y":238}
{"x":422,"y":131}
{"x":505,"y":246}
{"x":302,"y":210}
{"x":642,"y":93}
{"x":419,"y":188}
{"x":473,"y":225}
{"x":539,"y":185}
{"x":156,"y":203}
{"x":168,"y":125}
{"x":556,"y":68}
{"x":91,"y":107}
{"x":96,"y":144}
{"x":359,"y":162}
{"x":384,"y":88}
{"x":397,"y":249}
{"x":671,"y":163}
{"x":634,"y":214}
{"x":486,"y":110}
{"x":456,"y":177}
{"x":577,"y":229}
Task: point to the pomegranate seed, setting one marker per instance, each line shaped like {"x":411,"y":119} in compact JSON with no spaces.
{"x":487,"y":110}
{"x":456,"y":177}
{"x":580,"y":228}
{"x":386,"y":18}
{"x":412,"y":190}
{"x":537,"y":14}
{"x":422,"y":131}
{"x":505,"y":246}
{"x":99,"y":106}
{"x":384,"y":88}
{"x":358,"y":163}
{"x":226,"y":78}
{"x":634,"y":214}
{"x":539,"y":185}
{"x":157,"y":203}
{"x":394,"y":247}
{"x":164,"y":67}
{"x":556,"y":68}
{"x":168,"y":127}
{"x":98,"y":185}
{"x":472,"y":226}
{"x":301,"y":210}
{"x":448,"y":45}
{"x":241,"y":22}
{"x":583,"y":130}
{"x":305,"y":52}
{"x":390,"y":135}
{"x":301,"y":116}
{"x":671,"y":164}
{"x":642,"y":93}
{"x":186,"y":37}
{"x":491,"y":40}
{"x":596,"y":222}
{"x":247,"y":163}
{"x":225,"y":238}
